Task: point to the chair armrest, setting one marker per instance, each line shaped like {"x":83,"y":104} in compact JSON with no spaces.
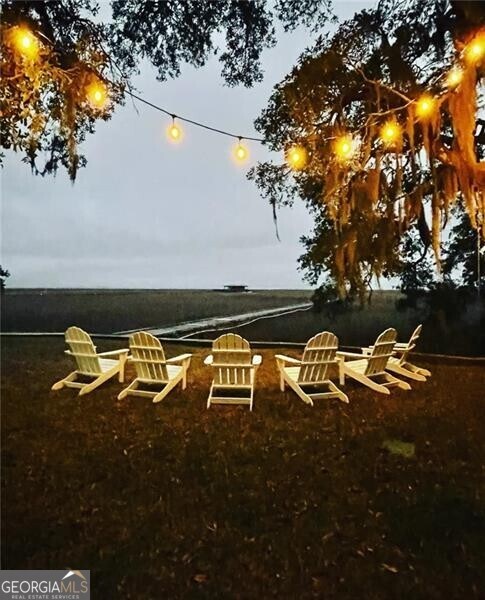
{"x":367,"y":350}
{"x":208,"y":360}
{"x":287,"y":359}
{"x":114,"y":352}
{"x":257,"y":360}
{"x":179,"y":359}
{"x":350,"y":355}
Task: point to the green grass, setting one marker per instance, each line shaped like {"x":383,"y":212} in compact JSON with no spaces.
{"x":176,"y":501}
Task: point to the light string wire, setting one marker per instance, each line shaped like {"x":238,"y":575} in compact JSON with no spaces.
{"x":192,"y":122}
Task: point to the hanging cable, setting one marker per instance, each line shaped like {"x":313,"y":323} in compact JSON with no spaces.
{"x":192,"y":122}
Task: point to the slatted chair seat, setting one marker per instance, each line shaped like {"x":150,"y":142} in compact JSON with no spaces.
{"x":369,"y":367}
{"x":90,"y":363}
{"x":106,"y":364}
{"x":173,"y":371}
{"x":309,"y":377}
{"x":293,"y":372}
{"x":152,"y":368}
{"x":359,"y":366}
{"x":234,"y":369}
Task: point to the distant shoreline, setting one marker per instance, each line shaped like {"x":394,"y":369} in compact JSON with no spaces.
{"x":145,"y":290}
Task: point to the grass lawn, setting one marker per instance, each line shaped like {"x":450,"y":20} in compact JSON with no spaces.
{"x":176,"y":501}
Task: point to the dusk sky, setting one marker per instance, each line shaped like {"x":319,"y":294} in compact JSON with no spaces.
{"x":145,"y":213}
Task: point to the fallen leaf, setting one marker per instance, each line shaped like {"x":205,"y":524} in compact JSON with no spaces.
{"x":389,"y":568}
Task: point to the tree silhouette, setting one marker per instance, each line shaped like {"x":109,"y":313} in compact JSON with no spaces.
{"x":3,"y":276}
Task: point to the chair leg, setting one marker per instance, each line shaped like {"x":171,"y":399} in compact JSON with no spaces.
{"x":405,"y":371}
{"x":60,"y":384}
{"x":424,"y":372}
{"x":418,"y":370}
{"x":281,"y":366}
{"x":185,"y":368}
{"x":367,"y":381}
{"x":391,"y":380}
{"x":340,"y":395}
{"x":282,"y":382}
{"x":341,"y":371}
{"x":121,"y":375}
{"x":299,"y":392}
{"x":210,"y":395}
{"x":126,"y":392}
{"x":166,"y":390}
{"x":97,"y":382}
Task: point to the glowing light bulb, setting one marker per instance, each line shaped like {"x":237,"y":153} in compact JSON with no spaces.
{"x":344,"y":147}
{"x":454,"y":77}
{"x":475,"y":50}
{"x":241,"y":153}
{"x":25,"y":42}
{"x":390,"y":132}
{"x":296,"y":157}
{"x":174,"y":132}
{"x":425,"y":106}
{"x":97,"y":94}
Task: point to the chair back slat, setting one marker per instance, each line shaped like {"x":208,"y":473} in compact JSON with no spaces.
{"x":413,"y":340}
{"x":83,"y":351}
{"x":381,"y":352}
{"x":148,"y":357}
{"x":232,"y":360}
{"x":318,"y":356}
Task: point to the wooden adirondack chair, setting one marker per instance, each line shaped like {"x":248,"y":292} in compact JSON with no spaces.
{"x":401,"y":364}
{"x":234,"y":371}
{"x":152,"y":368}
{"x":100,"y":366}
{"x":370,"y":369}
{"x":307,"y":377}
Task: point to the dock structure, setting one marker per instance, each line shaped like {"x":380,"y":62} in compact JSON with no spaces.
{"x":236,"y":288}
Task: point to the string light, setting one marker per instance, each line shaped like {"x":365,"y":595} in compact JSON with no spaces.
{"x":475,"y":50}
{"x":97,"y":94}
{"x":296,"y":157}
{"x":25,"y":42}
{"x":425,"y":106}
{"x":454,"y":78}
{"x":174,"y":132}
{"x":344,"y":147}
{"x":241,"y":153}
{"x":390,"y":132}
